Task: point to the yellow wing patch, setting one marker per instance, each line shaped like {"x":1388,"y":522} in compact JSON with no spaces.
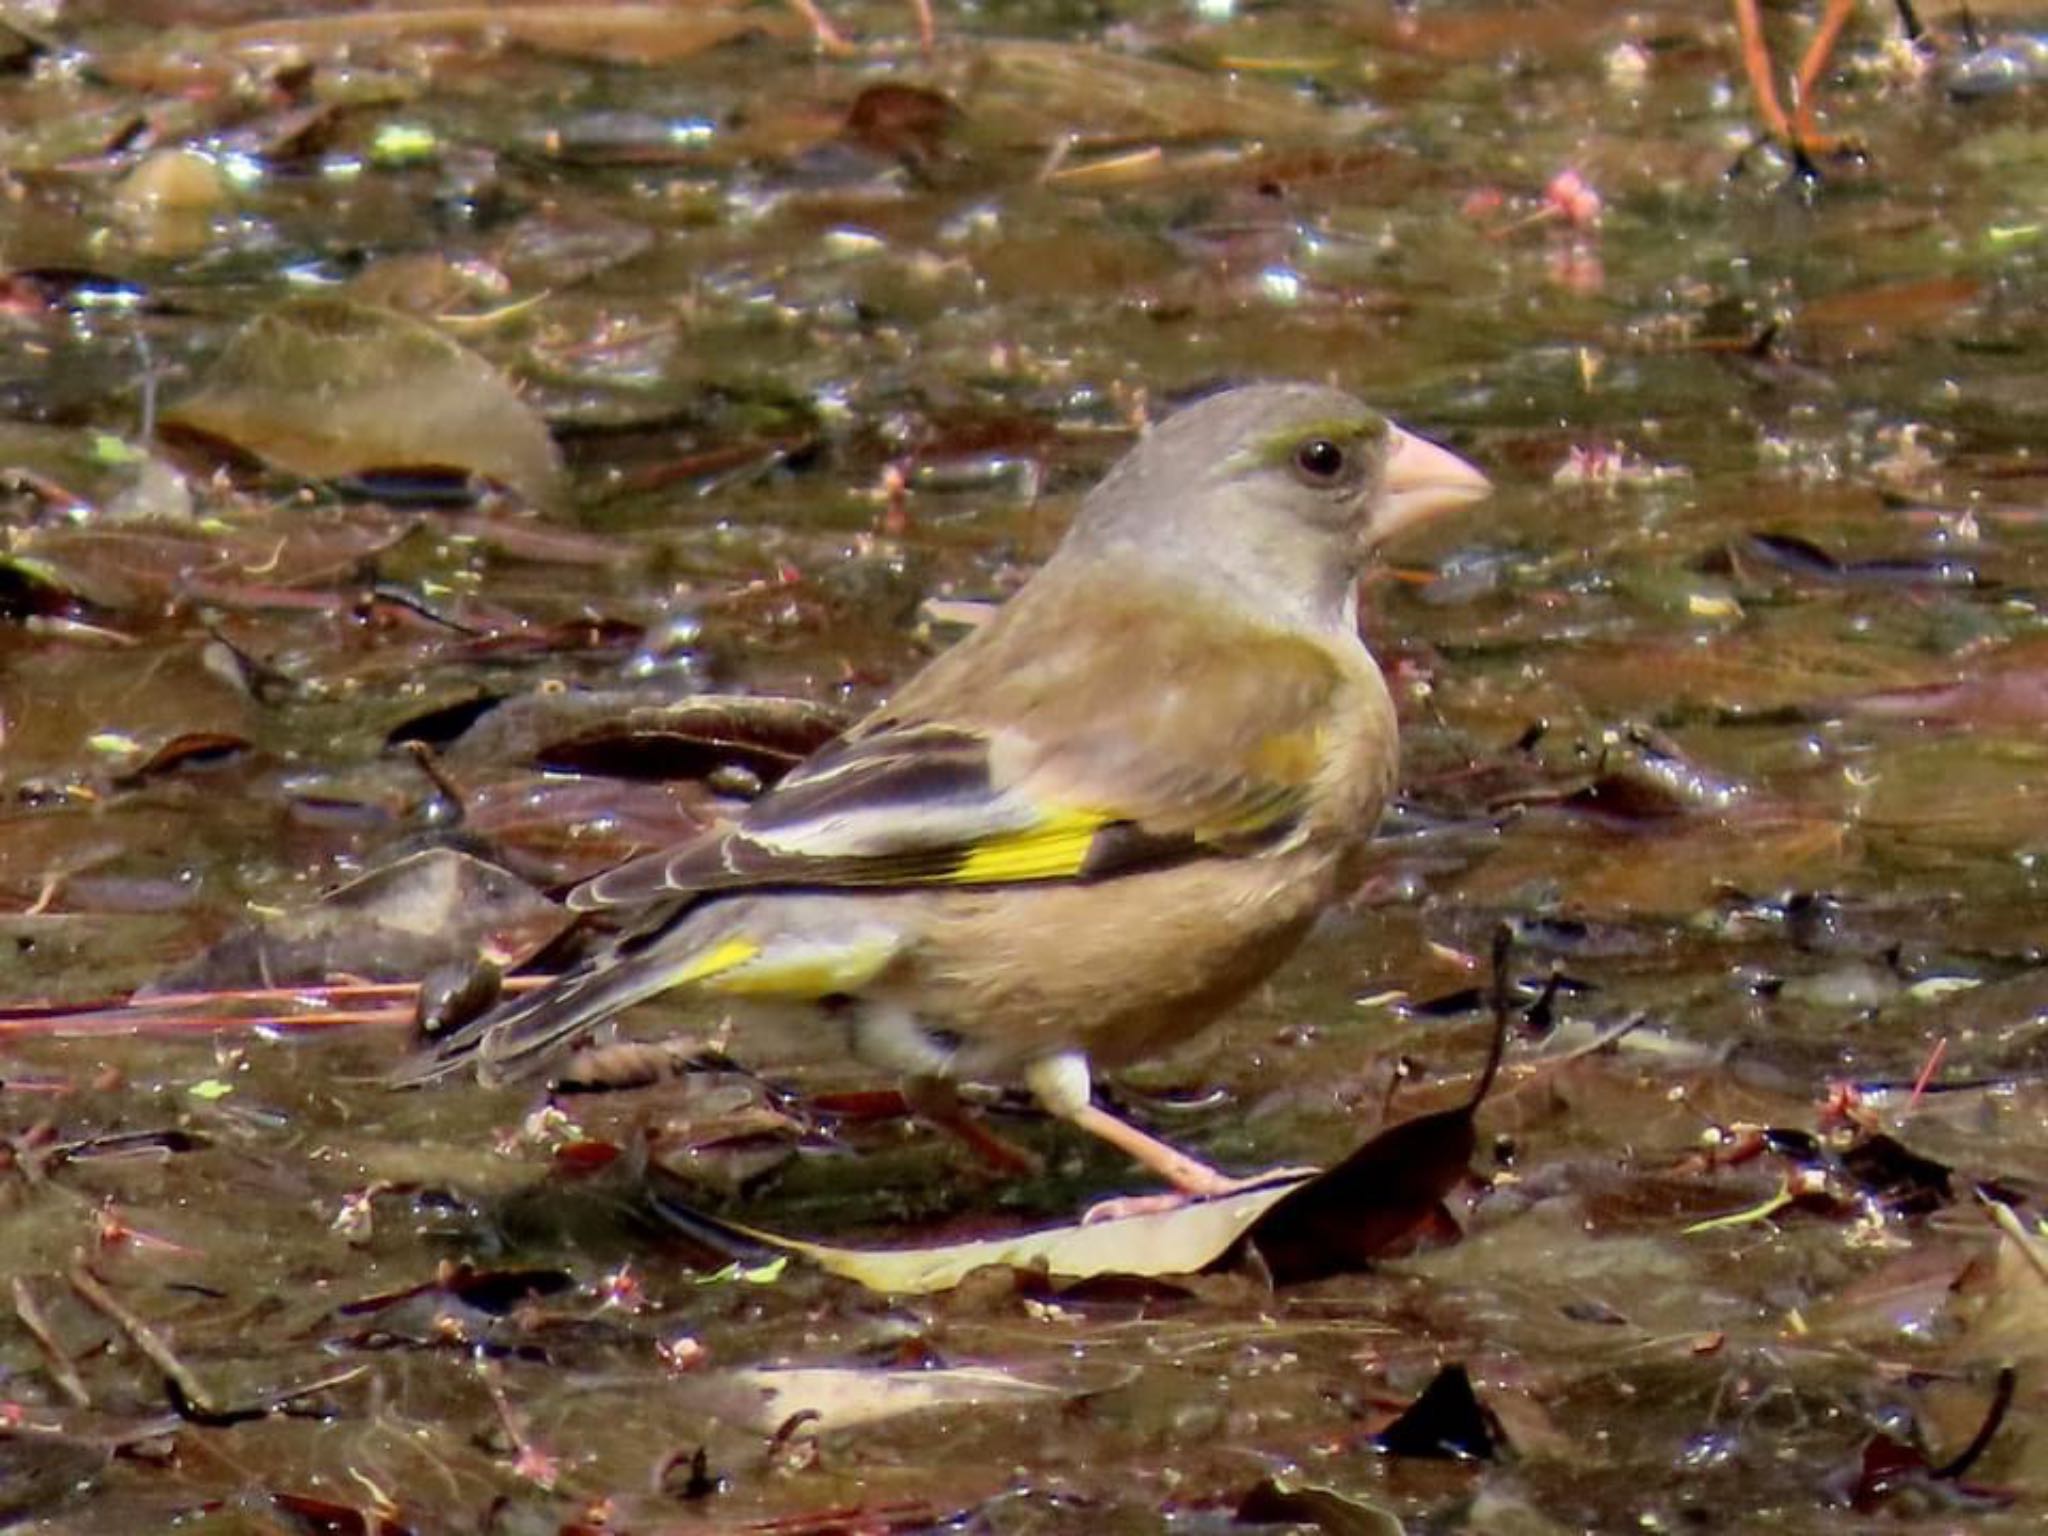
{"x":1055,"y":849}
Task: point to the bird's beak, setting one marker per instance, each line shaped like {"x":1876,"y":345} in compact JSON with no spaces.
{"x":1422,"y":480}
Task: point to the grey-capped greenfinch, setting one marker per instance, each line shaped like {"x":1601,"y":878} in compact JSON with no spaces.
{"x":1090,"y":827}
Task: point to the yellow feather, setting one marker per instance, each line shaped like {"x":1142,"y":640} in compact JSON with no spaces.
{"x":798,"y":970}
{"x":1053,"y":850}
{"x":1290,"y":757}
{"x":722,"y":956}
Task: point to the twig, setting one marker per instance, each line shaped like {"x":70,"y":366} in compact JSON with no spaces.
{"x":1932,"y":1066}
{"x":62,"y":1371}
{"x":188,"y":1397}
{"x":172,"y":1012}
{"x":313,"y":992}
{"x":145,"y":1338}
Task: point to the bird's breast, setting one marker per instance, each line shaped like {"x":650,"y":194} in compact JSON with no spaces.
{"x":1361,"y":752}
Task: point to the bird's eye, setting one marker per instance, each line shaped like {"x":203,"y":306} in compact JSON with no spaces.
{"x":1319,"y":460}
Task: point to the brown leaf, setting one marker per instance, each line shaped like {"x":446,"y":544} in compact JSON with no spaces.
{"x":393,"y":924}
{"x":324,"y":387}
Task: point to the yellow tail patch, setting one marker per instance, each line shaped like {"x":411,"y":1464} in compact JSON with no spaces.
{"x":792,"y":969}
{"x":722,"y":956}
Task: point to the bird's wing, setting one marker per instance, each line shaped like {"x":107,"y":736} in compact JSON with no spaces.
{"x":1020,"y":760}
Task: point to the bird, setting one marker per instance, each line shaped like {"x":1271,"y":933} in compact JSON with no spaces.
{"x":1086,"y":830}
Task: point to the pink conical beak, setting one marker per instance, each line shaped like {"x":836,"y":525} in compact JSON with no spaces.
{"x":1423,"y":479}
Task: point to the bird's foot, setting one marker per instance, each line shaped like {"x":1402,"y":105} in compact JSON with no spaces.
{"x":1796,"y":131}
{"x":1122,"y":1206}
{"x":1809,"y":160}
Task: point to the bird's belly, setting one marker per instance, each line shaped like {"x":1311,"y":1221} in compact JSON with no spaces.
{"x":1120,"y":970}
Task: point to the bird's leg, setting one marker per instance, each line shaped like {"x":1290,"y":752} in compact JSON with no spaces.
{"x":1804,"y":84}
{"x":934,"y":1099}
{"x":828,"y":37}
{"x":1189,"y":1175}
{"x":1061,"y":1083}
{"x":832,"y":40}
{"x":1796,"y":130}
{"x":1756,"y":63}
{"x":890,"y":1036}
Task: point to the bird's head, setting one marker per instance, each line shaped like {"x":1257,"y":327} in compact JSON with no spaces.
{"x":1283,"y":489}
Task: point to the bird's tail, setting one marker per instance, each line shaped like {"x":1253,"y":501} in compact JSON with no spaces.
{"x":790,"y":948}
{"x":520,"y":1039}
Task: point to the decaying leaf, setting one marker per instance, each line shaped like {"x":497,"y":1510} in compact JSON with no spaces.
{"x":1118,"y":94}
{"x":396,"y":923}
{"x":1273,"y":1502}
{"x":2011,"y":1315}
{"x":635,"y":735}
{"x":844,"y":1397}
{"x":626,"y":33}
{"x":1182,"y":1241}
{"x":1447,"y":1421}
{"x":324,"y":387}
